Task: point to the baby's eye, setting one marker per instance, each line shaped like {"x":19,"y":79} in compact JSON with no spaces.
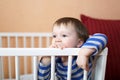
{"x":64,"y":35}
{"x":54,"y":36}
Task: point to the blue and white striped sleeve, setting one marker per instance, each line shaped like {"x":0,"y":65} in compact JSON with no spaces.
{"x":97,"y":41}
{"x":44,"y":72}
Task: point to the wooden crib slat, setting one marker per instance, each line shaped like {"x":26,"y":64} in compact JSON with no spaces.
{"x":9,"y":67}
{"x":17,"y":60}
{"x":85,"y":75}
{"x":25,"y":57}
{"x":40,"y":42}
{"x":34,"y":67}
{"x":1,"y":62}
{"x":1,"y":68}
{"x":17,"y":68}
{"x":0,"y":41}
{"x":16,"y":41}
{"x":25,"y":64}
{"x":32,"y":46}
{"x":48,"y":42}
{"x":24,"y":41}
{"x":8,"y":40}
{"x":32,"y":42}
{"x":52,"y":67}
{"x":69,"y":67}
{"x":9,"y":60}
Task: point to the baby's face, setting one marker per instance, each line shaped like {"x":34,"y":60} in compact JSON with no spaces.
{"x":65,"y":35}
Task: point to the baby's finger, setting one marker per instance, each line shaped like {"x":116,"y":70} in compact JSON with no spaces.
{"x":53,"y":46}
{"x":61,"y":46}
{"x":85,"y":67}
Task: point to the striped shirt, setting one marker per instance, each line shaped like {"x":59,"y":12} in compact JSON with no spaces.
{"x":98,"y":41}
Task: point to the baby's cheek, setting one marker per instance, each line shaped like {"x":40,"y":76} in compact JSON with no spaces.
{"x":69,"y":45}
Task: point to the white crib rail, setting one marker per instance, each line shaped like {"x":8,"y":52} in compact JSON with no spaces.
{"x":24,"y":36}
{"x":34,"y":52}
{"x":44,"y":52}
{"x":38,"y":52}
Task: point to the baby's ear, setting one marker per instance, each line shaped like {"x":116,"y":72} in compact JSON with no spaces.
{"x":80,"y":43}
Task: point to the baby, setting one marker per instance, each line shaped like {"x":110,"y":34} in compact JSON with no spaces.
{"x":69,"y":32}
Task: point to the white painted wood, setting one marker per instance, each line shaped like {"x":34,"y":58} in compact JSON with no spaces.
{"x":52,"y":67}
{"x":99,"y":69}
{"x":69,"y":67}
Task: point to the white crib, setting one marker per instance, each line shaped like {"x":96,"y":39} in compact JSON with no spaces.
{"x":35,"y":44}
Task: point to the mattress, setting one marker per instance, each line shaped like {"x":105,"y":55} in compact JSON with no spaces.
{"x":24,"y":77}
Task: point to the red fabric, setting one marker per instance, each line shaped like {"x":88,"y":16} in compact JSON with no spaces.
{"x":111,"y":29}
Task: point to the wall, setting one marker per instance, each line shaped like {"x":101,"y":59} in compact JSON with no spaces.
{"x":39,"y":15}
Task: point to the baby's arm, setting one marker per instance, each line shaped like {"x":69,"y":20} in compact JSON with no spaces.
{"x":45,"y":65}
{"x":45,"y":60}
{"x":92,"y":46}
{"x":44,"y":69}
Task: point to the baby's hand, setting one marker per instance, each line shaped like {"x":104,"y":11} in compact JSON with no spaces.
{"x":57,"y":45}
{"x":83,"y":56}
{"x":82,"y":62}
{"x":45,"y":60}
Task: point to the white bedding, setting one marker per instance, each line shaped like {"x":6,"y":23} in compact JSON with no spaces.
{"x":26,"y":77}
